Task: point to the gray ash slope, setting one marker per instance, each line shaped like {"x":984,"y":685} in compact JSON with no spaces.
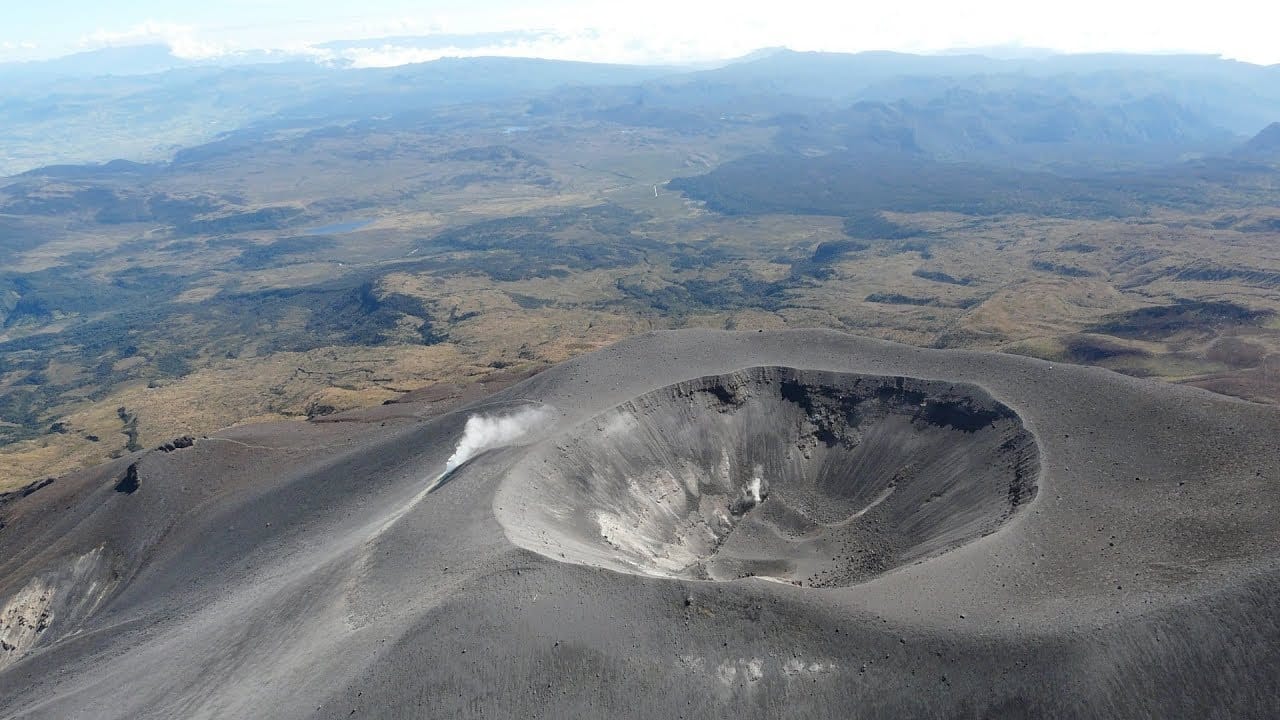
{"x":881,"y":531}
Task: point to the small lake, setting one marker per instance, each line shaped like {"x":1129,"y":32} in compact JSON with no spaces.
{"x":338,"y":228}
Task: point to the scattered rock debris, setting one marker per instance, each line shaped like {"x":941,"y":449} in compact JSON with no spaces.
{"x":24,"y":491}
{"x":185,"y":441}
{"x":129,"y":483}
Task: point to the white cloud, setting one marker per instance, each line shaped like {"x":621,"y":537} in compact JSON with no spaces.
{"x":18,"y":51}
{"x":613,"y":45}
{"x":677,"y":31}
{"x":183,"y":40}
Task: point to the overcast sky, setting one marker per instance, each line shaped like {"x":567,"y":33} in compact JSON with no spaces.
{"x":646,"y":30}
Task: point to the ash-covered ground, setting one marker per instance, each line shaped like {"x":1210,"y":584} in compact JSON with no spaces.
{"x":688,"y":524}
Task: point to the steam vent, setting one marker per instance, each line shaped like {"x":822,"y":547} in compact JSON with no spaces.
{"x":815,"y":478}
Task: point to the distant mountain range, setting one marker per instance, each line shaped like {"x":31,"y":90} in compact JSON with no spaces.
{"x":1263,"y":146}
{"x":144,"y":103}
{"x":125,"y":61}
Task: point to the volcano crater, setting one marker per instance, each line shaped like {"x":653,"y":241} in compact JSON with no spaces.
{"x":815,"y":478}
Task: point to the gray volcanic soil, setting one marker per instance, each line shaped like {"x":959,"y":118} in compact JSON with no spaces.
{"x":800,"y":524}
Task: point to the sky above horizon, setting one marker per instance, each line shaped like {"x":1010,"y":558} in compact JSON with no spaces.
{"x":654,"y":31}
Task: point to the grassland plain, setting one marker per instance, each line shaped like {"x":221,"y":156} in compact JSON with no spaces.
{"x":308,"y":270}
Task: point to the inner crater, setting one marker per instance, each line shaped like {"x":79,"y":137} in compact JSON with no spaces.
{"x":815,"y":478}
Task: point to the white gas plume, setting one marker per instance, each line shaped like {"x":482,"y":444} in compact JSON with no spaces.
{"x":484,"y":432}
